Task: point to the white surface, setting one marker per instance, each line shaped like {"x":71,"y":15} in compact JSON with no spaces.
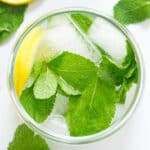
{"x":133,"y":136}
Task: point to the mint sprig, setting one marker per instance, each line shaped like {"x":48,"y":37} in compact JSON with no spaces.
{"x":89,"y":87}
{"x":74,"y":69}
{"x":132,"y":11}
{"x":10,"y":19}
{"x":25,"y":139}
{"x":97,"y":100}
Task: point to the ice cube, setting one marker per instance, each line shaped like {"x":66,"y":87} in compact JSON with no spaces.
{"x":62,"y":36}
{"x":56,"y":124}
{"x":60,"y":105}
{"x":57,"y":20}
{"x":108,"y":37}
{"x":44,"y":51}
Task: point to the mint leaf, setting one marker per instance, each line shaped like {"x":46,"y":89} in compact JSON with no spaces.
{"x":126,"y":85}
{"x":93,"y":111}
{"x":122,"y":93}
{"x":68,"y":89}
{"x":132,"y":11}
{"x":119,"y":75}
{"x":38,"y":67}
{"x":130,"y":61}
{"x":10,"y":19}
{"x":25,"y":139}
{"x":84,"y":21}
{"x":131,"y":73}
{"x":38,"y":109}
{"x":45,"y":86}
{"x":74,"y":69}
{"x":111,"y":71}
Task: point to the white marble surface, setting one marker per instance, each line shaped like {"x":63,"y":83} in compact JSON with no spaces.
{"x":134,"y":135}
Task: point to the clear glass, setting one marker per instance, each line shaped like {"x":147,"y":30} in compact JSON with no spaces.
{"x":118,"y":123}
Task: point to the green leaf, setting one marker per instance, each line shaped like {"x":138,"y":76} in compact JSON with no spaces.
{"x":130,"y":73}
{"x":119,"y":75}
{"x":25,"y":139}
{"x":10,"y":19}
{"x":45,"y":86}
{"x":111,"y":71}
{"x":126,"y":85}
{"x":132,"y":11}
{"x":84,"y":21}
{"x":38,"y":67}
{"x":122,"y":93}
{"x":130,"y":61}
{"x":93,"y":111}
{"x":74,"y":69}
{"x":68,"y":89}
{"x":38,"y":109}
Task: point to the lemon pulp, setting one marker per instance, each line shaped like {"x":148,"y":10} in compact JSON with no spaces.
{"x":25,"y":58}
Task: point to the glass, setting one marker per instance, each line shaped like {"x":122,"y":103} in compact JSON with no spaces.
{"x":117,"y":123}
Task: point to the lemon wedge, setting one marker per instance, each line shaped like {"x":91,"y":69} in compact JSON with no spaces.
{"x":16,"y":2}
{"x":25,"y":58}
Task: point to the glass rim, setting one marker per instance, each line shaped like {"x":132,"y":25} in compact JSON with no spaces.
{"x":85,"y":139}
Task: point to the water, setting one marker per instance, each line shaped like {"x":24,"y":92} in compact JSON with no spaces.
{"x":61,"y":35}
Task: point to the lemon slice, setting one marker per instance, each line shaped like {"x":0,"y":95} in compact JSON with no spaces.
{"x":25,"y":58}
{"x":16,"y":2}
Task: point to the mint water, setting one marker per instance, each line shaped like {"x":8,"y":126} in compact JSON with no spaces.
{"x":94,"y":41}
